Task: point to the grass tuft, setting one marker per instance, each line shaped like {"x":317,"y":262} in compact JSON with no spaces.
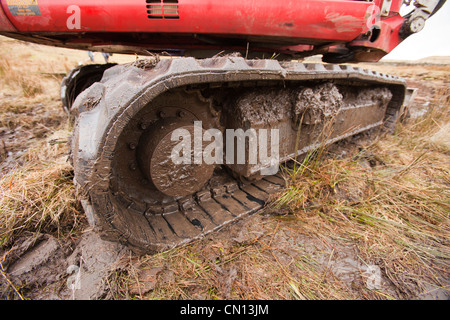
{"x":17,"y":77}
{"x":39,"y":197}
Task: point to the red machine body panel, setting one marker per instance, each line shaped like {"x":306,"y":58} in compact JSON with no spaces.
{"x":305,"y":19}
{"x":291,"y":26}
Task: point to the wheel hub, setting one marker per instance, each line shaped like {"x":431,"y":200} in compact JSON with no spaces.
{"x":160,"y":161}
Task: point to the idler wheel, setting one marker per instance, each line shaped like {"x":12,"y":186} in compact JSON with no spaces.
{"x":155,"y":158}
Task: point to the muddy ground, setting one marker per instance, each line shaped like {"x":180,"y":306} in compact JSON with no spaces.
{"x":273,"y":254}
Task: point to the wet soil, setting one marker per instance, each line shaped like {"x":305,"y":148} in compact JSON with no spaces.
{"x":48,"y":268}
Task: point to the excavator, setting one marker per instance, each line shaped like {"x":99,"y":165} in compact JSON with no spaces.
{"x":219,"y":76}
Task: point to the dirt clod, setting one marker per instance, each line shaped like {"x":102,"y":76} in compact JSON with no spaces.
{"x":95,"y":259}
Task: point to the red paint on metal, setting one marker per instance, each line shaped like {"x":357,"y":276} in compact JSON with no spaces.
{"x":292,"y":26}
{"x":339,"y":20}
{"x":5,"y":24}
{"x":386,"y":41}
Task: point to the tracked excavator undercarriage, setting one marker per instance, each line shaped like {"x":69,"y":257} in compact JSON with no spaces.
{"x":167,"y":150}
{"x":123,"y":139}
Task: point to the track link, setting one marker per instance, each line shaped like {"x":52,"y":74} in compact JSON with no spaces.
{"x":110,"y":113}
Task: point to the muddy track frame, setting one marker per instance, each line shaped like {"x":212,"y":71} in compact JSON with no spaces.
{"x":104,"y":110}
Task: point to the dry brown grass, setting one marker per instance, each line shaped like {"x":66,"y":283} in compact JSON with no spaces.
{"x":25,"y":77}
{"x":36,"y":187}
{"x":16,"y":77}
{"x":39,"y":196}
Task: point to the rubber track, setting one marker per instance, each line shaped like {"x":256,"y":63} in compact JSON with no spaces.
{"x":104,"y":109}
